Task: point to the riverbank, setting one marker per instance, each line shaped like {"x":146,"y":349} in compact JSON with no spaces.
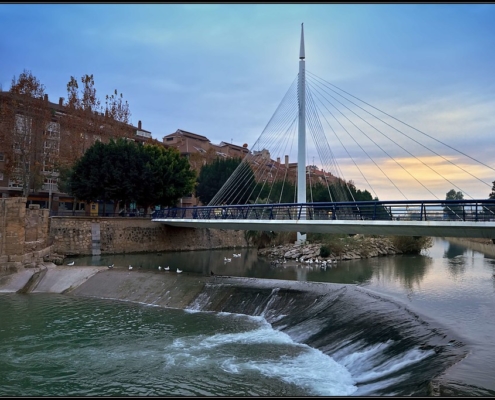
{"x":342,"y":249}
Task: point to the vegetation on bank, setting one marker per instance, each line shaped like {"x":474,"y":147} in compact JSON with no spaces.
{"x":337,"y":244}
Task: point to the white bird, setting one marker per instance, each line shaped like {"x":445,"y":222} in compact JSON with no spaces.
{"x":159,"y":268}
{"x":71,"y":263}
{"x":166,"y":268}
{"x":110,"y":266}
{"x":225,"y":259}
{"x":179,"y":270}
{"x":130,"y":267}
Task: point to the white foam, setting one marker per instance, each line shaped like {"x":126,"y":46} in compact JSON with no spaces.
{"x":394,"y":364}
{"x":308,"y":368}
{"x":358,"y":361}
{"x":312,"y":370}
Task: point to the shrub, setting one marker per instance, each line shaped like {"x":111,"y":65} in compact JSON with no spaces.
{"x":412,"y":244}
{"x":325,"y":251}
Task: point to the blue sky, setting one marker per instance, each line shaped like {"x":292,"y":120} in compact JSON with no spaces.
{"x":221,"y":70}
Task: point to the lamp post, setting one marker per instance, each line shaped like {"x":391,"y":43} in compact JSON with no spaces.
{"x":49,"y":194}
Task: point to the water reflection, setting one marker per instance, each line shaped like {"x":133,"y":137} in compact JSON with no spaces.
{"x":453,"y":250}
{"x":408,"y":271}
{"x":456,"y":259}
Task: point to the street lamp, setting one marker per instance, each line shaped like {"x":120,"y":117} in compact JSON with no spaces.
{"x":49,"y":194}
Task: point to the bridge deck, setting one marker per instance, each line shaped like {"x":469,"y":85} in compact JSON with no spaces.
{"x":400,"y":228}
{"x":460,"y":218}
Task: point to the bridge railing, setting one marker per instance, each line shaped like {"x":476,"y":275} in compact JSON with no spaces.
{"x":400,"y":210}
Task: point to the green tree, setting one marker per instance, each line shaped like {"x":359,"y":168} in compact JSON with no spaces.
{"x":278,"y":192}
{"x":124,"y":172}
{"x":453,"y":211}
{"x":214,"y":175}
{"x":100,"y":173}
{"x":166,"y":176}
{"x":492,"y":194}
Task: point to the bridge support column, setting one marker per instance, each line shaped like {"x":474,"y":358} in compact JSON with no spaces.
{"x":301,"y":238}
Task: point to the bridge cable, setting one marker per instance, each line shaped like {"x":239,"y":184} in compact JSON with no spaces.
{"x":417,"y":130}
{"x":364,"y":151}
{"x":422,"y":162}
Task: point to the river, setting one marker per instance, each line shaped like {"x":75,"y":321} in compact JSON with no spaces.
{"x":396,"y":325}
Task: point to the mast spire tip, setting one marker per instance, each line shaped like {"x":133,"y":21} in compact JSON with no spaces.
{"x":301,"y":51}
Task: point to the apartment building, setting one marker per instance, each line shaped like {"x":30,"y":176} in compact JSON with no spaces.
{"x":38,"y":136}
{"x":200,"y":151}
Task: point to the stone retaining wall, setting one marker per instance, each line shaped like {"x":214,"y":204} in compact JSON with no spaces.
{"x":23,"y":231}
{"x":88,"y":235}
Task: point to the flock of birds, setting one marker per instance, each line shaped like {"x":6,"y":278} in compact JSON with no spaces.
{"x":167,"y":268}
{"x":235,"y":255}
{"x":307,"y":263}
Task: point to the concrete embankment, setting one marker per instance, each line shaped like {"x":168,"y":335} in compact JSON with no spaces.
{"x":166,"y":289}
{"x":45,"y":278}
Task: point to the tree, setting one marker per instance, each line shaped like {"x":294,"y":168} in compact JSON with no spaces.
{"x":278,"y":192}
{"x":453,"y":211}
{"x":214,"y":175}
{"x":492,"y":194}
{"x":199,"y":159}
{"x":124,"y":172}
{"x":116,"y":108}
{"x":25,"y":123}
{"x":166,"y":176}
{"x":87,"y":121}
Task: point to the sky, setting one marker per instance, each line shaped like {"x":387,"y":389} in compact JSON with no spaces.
{"x":221,"y":71}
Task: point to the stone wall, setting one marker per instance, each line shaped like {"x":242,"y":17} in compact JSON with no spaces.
{"x":23,"y":232}
{"x":12,"y":230}
{"x":99,"y":235}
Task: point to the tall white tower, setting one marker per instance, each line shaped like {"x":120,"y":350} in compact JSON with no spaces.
{"x":301,"y":155}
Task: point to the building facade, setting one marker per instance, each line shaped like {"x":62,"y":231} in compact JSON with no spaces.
{"x":38,"y":138}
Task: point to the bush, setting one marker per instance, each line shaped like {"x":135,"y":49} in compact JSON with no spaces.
{"x":325,"y":251}
{"x":284,"y":238}
{"x":412,"y":244}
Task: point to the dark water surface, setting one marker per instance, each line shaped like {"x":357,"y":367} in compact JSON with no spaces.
{"x":350,"y":343}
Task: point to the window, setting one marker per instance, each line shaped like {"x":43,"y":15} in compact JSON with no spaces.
{"x":50,"y":184}
{"x":169,"y":139}
{"x":1,"y":176}
{"x":53,"y":130}
{"x":2,"y":157}
{"x":15,"y":183}
{"x":23,"y":125}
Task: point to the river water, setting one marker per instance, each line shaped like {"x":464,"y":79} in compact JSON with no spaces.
{"x":401,"y":322}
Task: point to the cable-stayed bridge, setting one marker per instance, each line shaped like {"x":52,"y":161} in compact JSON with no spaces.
{"x":268,"y":192}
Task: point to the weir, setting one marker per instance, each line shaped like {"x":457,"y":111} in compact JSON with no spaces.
{"x":387,"y":348}
{"x":377,"y":339}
